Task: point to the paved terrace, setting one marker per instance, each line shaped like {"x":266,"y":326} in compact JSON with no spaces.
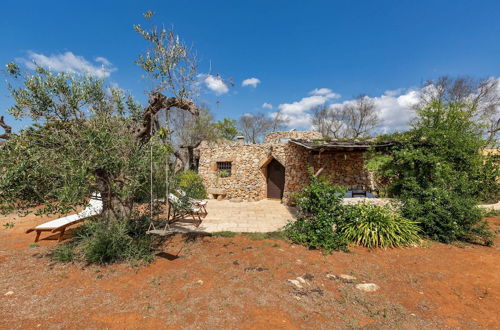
{"x":262,"y":216}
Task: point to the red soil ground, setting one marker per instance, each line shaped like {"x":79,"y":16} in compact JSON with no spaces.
{"x":242,"y":283}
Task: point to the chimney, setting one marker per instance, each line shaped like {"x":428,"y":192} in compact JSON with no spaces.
{"x":240,"y":139}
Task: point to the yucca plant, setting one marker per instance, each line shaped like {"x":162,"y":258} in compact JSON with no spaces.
{"x":377,"y":226}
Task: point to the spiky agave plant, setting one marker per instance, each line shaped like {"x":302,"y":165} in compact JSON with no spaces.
{"x":377,"y":226}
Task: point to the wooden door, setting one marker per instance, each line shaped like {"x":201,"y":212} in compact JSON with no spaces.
{"x":275,"y":179}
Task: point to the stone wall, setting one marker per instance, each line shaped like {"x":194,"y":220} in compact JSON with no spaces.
{"x":248,"y":179}
{"x":344,"y":168}
{"x":248,"y":170}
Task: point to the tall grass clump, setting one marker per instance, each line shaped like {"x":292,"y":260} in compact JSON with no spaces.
{"x":377,"y":226}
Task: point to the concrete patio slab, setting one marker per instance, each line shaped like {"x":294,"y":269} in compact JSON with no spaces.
{"x":243,"y":217}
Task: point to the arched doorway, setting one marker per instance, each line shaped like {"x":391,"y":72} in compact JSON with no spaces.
{"x":275,"y":179}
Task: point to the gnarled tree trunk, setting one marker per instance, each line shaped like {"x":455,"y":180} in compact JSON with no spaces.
{"x":115,"y":208}
{"x":7,"y":129}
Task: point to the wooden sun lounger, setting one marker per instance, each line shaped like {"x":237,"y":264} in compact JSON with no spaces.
{"x":179,"y":212}
{"x":59,"y":225}
{"x":196,"y":202}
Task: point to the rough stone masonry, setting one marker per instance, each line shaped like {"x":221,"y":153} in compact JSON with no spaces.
{"x":238,"y":170}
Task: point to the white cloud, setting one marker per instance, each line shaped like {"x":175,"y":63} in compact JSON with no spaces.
{"x":266,"y":105}
{"x":297,"y":113}
{"x":325,"y":92}
{"x":251,"y":82}
{"x":215,"y":84}
{"x":71,"y":63}
{"x":393,"y":108}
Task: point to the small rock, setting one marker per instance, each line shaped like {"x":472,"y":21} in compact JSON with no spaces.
{"x":367,"y":287}
{"x":10,"y":293}
{"x":297,"y":297}
{"x":236,"y":263}
{"x":331,"y":276}
{"x":200,"y":282}
{"x":296,"y":283}
{"x":347,"y":278}
{"x":301,"y":280}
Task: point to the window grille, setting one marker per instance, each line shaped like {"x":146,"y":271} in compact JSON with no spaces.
{"x":224,"y":168}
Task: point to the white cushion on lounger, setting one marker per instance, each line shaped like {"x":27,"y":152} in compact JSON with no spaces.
{"x":94,"y":208}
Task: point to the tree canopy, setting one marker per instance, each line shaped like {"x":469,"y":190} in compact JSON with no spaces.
{"x":91,"y":137}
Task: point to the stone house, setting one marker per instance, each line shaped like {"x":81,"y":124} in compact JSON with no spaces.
{"x":278,"y":168}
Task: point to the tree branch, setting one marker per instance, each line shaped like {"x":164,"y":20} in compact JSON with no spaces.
{"x":157,"y":102}
{"x":7,"y":129}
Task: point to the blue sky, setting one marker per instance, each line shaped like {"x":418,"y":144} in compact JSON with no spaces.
{"x":339,"y":49}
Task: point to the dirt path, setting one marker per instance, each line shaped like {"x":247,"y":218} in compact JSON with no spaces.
{"x":240,"y":283}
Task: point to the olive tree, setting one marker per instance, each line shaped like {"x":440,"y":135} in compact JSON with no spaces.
{"x":89,"y":137}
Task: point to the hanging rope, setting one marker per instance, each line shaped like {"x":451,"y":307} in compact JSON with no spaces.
{"x":152,"y":228}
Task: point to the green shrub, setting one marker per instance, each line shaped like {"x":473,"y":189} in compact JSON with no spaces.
{"x":436,"y":169}
{"x":377,"y":226}
{"x":319,"y":209}
{"x":103,"y":242}
{"x":446,"y":217}
{"x":192,"y":184}
{"x":64,"y":252}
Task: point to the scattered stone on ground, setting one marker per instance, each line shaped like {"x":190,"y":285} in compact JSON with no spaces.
{"x":255,"y":269}
{"x":301,"y":280}
{"x":367,"y":287}
{"x":347,"y":278}
{"x":200,"y":282}
{"x":296,"y":283}
{"x":9,"y":293}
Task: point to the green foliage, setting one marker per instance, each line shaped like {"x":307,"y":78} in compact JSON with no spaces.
{"x":377,"y":226}
{"x":223,"y":173}
{"x":168,"y":60}
{"x":192,"y":184}
{"x":84,"y":144}
{"x":488,"y":175}
{"x":64,"y":252}
{"x":445,"y":216}
{"x":319,"y":210}
{"x":107,"y":242}
{"x":226,"y":129}
{"x":437,"y":170}
{"x":491,"y":213}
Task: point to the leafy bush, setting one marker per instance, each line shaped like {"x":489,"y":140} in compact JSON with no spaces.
{"x":319,"y":209}
{"x":437,"y":171}
{"x":377,"y":226}
{"x":192,"y":184}
{"x":101,"y":242}
{"x":489,"y":191}
{"x":446,"y":217}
